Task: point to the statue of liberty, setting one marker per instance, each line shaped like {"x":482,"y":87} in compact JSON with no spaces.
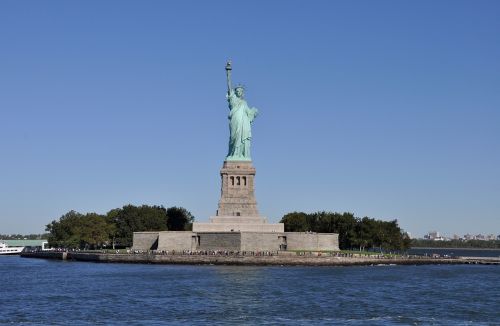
{"x":240,"y":117}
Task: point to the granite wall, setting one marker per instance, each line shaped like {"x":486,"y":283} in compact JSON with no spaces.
{"x":238,"y":227}
{"x":312,"y":241}
{"x":256,"y":241}
{"x":235,"y":241}
{"x":145,"y":240}
{"x":230,"y":241}
{"x":177,"y":240}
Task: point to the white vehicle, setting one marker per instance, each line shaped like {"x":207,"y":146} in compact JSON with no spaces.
{"x":6,"y":250}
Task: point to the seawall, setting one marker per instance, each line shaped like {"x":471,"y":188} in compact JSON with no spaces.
{"x":60,"y":255}
{"x":276,"y":260}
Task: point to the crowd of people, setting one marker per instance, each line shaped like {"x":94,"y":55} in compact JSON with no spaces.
{"x":205,"y":252}
{"x":266,"y":253}
{"x":338,"y":254}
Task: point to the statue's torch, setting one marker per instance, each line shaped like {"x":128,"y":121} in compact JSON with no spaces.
{"x":228,"y":76}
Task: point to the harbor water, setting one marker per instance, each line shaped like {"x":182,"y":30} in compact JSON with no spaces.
{"x":50,"y":292}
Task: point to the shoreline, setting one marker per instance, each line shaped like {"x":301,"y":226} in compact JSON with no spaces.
{"x":276,"y":260}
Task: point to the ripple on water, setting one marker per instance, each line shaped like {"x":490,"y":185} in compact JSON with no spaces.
{"x":54,"y":292}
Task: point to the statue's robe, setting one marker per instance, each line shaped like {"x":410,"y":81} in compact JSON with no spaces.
{"x":240,"y":118}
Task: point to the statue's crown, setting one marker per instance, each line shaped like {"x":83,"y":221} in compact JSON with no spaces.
{"x":240,"y":86}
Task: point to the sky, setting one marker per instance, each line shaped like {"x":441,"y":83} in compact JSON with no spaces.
{"x":386,"y":109}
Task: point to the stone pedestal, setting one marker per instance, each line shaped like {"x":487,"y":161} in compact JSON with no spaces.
{"x":227,"y":226}
{"x":237,"y":189}
{"x":237,"y":211}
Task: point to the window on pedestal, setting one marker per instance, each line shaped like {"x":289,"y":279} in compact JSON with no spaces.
{"x":232,"y":181}
{"x":244,"y":181}
{"x":238,"y":181}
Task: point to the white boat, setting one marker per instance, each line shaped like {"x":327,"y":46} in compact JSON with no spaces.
{"x":6,"y":250}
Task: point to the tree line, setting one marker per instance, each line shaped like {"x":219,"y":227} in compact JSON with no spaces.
{"x":115,"y":228}
{"x":354,"y":232}
{"x":490,"y":244}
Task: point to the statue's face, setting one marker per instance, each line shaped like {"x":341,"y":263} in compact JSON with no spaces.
{"x":239,"y":92}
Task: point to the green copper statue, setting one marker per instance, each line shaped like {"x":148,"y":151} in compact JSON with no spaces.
{"x":240,"y":117}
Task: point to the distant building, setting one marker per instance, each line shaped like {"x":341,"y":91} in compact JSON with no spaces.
{"x":434,"y":235}
{"x":468,"y":237}
{"x":490,"y":237}
{"x":480,"y":237}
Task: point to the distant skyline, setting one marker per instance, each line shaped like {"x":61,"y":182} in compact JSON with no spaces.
{"x":385,"y":109}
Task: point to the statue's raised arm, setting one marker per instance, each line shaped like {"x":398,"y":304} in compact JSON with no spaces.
{"x":228,"y":76}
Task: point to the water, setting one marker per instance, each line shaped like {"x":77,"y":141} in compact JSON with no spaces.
{"x":462,"y":252}
{"x":42,"y":292}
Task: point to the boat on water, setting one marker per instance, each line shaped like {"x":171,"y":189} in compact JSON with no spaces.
{"x":6,"y":250}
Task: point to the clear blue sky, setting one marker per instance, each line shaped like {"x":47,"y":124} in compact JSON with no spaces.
{"x":387,"y":109}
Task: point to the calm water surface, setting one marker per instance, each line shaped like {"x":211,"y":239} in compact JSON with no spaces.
{"x":41,"y":292}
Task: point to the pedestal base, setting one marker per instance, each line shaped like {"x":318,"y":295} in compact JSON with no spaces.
{"x":238,"y":224}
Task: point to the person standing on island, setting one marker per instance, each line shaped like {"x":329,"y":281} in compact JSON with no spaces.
{"x":240,"y":117}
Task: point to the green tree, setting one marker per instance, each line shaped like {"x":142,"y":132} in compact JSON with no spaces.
{"x":63,"y":233}
{"x":491,"y":244}
{"x":406,"y":241}
{"x":366,"y":230}
{"x":365,"y":233}
{"x":179,"y":219}
{"x":295,"y":222}
{"x":95,"y":231}
{"x":130,"y":219}
{"x":75,"y":230}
